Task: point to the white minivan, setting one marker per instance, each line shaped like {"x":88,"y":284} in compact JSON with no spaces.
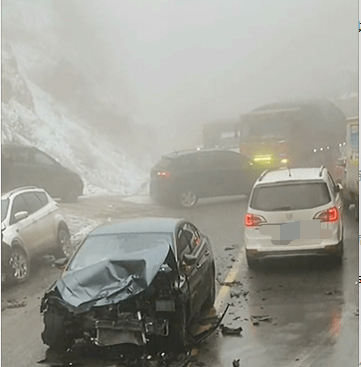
{"x":294,"y":212}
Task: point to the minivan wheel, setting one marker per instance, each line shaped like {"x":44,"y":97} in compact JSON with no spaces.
{"x":187,"y":198}
{"x":252,"y":263}
{"x":18,"y":268}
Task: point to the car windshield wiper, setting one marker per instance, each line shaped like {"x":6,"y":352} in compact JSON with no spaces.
{"x":282,"y":208}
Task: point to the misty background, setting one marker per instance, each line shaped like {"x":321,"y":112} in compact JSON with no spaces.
{"x":148,"y":74}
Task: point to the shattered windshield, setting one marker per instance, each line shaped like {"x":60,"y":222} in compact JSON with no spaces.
{"x":112,"y":246}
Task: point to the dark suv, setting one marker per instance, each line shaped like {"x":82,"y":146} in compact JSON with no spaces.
{"x":183,"y":177}
{"x":28,"y":166}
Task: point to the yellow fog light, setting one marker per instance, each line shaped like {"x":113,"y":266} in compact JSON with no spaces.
{"x":284,"y":161}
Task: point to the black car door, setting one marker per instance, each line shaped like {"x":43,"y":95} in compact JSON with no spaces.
{"x":198,"y":273}
{"x":196,"y":173}
{"x":241,"y":174}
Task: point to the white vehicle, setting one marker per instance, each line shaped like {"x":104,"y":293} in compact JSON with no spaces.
{"x":31,"y":223}
{"x":294,"y":212}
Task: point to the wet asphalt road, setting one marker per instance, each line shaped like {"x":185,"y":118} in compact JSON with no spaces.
{"x":311,"y":304}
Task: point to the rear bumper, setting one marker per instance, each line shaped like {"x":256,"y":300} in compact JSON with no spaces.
{"x":294,"y":251}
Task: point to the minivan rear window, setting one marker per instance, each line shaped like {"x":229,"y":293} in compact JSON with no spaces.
{"x":283,"y":197}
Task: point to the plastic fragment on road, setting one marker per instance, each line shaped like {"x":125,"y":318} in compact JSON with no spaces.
{"x":236,"y":363}
{"x":261,"y":318}
{"x":231,"y":331}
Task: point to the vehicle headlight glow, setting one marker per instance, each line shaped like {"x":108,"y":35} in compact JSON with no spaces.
{"x":262,"y":158}
{"x":284,"y":161}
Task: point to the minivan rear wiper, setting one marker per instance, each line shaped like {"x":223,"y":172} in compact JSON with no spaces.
{"x":281,"y":208}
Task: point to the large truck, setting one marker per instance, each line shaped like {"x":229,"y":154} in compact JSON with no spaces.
{"x":349,"y":163}
{"x":295,"y":133}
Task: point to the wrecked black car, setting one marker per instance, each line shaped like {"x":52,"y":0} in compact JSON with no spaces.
{"x":136,"y":282}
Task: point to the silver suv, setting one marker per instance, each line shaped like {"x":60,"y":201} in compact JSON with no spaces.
{"x":31,"y":223}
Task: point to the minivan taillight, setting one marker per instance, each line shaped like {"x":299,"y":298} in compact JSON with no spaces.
{"x":165,"y":174}
{"x":252,"y":220}
{"x":329,"y":215}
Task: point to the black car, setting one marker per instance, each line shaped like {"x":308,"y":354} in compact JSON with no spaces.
{"x":181,"y":178}
{"x":28,"y":166}
{"x":133,"y":282}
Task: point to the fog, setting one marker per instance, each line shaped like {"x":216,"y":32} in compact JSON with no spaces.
{"x":176,"y":64}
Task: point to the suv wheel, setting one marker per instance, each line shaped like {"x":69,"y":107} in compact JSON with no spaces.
{"x":18,"y":269}
{"x":64,"y":245}
{"x":187,"y":198}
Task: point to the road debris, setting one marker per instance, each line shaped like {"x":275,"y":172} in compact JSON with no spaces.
{"x":261,"y":318}
{"x":230,"y":331}
{"x":235,"y":363}
{"x":239,"y":293}
{"x":356,"y":313}
{"x":229,"y":284}
{"x":14,"y":304}
{"x":229,"y":248}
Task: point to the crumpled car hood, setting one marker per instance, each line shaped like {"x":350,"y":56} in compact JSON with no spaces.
{"x":113,"y":280}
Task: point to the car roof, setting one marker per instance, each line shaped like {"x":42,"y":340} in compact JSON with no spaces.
{"x":139,"y":225}
{"x":7,"y":195}
{"x":180,"y":153}
{"x":292,"y":174}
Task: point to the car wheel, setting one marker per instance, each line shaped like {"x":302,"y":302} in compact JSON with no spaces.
{"x":337,"y":258}
{"x":54,"y":334}
{"x":64,"y":245}
{"x":18,"y":269}
{"x":177,"y":338}
{"x":187,"y":198}
{"x":252,"y":263}
{"x":212,"y":292}
{"x":356,"y":210}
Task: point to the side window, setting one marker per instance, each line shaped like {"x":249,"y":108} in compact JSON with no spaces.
{"x":42,"y":197}
{"x":19,"y":205}
{"x":42,"y":159}
{"x":33,"y":202}
{"x":183,"y":242}
{"x":208,"y":161}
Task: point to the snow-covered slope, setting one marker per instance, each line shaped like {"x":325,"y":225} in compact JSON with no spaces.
{"x":31,"y":115}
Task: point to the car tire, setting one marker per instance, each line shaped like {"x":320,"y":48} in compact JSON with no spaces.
{"x":63,"y":244}
{"x":209,"y":303}
{"x":338,"y":257}
{"x":251,"y":262}
{"x":187,"y":198}
{"x":54,"y":334}
{"x":177,"y":338}
{"x":17,"y":270}
{"x":356,"y":211}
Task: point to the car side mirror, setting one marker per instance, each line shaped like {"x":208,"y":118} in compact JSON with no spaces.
{"x":189,"y":259}
{"x":21,"y":215}
{"x":338,"y":187}
{"x":341,"y":162}
{"x":60,"y":263}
